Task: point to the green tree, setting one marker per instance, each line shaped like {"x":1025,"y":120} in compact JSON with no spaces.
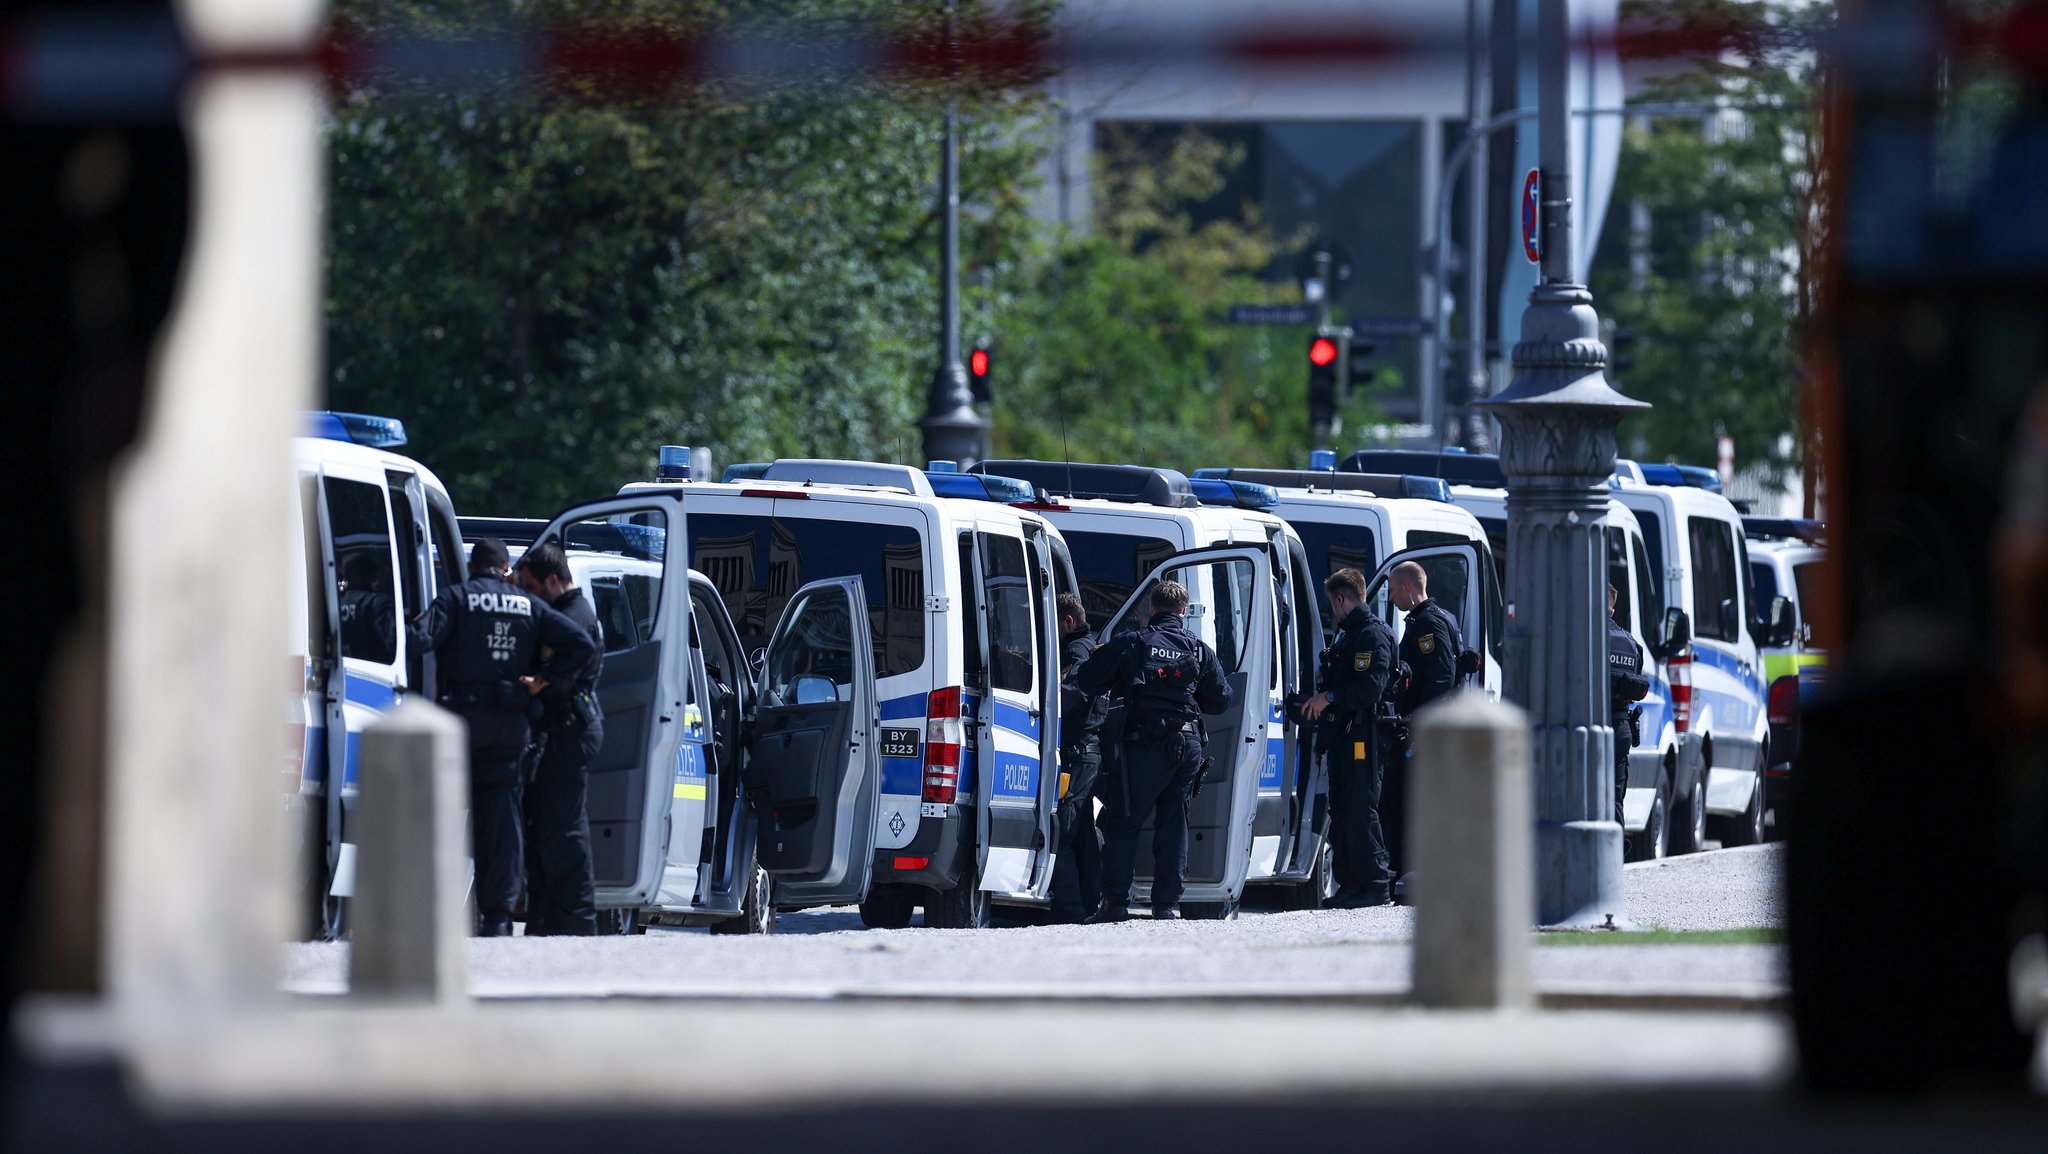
{"x":1719,"y":290}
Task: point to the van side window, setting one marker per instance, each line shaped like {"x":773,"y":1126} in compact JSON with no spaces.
{"x":1649,"y":594}
{"x":970,"y":617}
{"x":407,"y":520}
{"x":1617,"y":574}
{"x":362,"y":555}
{"x":1716,"y":580}
{"x":1010,"y":634}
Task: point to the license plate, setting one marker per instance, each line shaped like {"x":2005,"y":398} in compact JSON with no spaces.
{"x":900,"y":743}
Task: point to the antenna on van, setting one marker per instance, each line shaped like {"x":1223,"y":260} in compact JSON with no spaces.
{"x":1059,"y":401}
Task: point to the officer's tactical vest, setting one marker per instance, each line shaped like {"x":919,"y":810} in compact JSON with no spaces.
{"x":1167,"y":680}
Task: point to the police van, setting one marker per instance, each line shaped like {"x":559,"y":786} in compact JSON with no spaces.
{"x":1785,"y":555}
{"x":376,"y":539}
{"x":1373,"y":522}
{"x":903,"y":708}
{"x":1658,"y":777}
{"x":1260,"y":817}
{"x":1715,"y":628}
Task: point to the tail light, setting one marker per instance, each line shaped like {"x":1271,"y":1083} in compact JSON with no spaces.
{"x":1784,"y":706}
{"x":944,"y":734}
{"x":1680,"y":669}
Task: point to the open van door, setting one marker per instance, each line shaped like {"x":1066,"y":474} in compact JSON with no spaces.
{"x":1019,"y":731}
{"x":641,"y":779}
{"x":1230,"y":606}
{"x":1460,"y":580}
{"x":814,"y":776}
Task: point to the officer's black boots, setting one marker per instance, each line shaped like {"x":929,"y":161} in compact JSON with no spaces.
{"x":1167,"y":914}
{"x":495,"y":927}
{"x":1106,"y":915}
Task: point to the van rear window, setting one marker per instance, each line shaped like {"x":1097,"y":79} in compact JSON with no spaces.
{"x":1333,"y":547}
{"x":758,"y":564}
{"x":1109,"y":566}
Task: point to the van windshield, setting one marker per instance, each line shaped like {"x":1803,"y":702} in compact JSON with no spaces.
{"x":758,"y":563}
{"x":1109,"y":566}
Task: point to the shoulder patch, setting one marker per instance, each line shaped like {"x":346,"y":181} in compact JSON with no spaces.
{"x":1361,"y":661}
{"x":1427,"y":644}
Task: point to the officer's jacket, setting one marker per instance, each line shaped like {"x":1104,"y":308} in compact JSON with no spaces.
{"x":1081,"y":714}
{"x":1357,"y":665}
{"x":574,"y":605}
{"x":1430,"y":649}
{"x":1163,"y":673}
{"x":488,"y":634}
{"x":1625,"y":681}
{"x":368,"y":625}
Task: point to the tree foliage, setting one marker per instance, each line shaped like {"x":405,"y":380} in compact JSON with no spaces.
{"x":1718,"y":292}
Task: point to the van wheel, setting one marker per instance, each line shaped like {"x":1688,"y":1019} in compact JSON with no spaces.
{"x":1689,"y":815}
{"x":619,"y":921}
{"x":1320,"y":886}
{"x":757,"y":909}
{"x":964,"y":907}
{"x":1748,"y":829}
{"x":1223,"y":911}
{"x":888,"y":908}
{"x":1655,"y":840}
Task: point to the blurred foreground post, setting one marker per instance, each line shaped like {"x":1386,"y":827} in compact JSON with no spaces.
{"x":1474,"y":905}
{"x":411,"y":936}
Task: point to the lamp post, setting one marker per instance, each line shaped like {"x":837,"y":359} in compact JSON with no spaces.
{"x":1557,"y":419}
{"x":953,"y":431}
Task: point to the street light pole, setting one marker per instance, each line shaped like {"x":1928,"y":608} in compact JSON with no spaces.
{"x":1557,"y":419}
{"x":952,"y":429}
{"x":1472,"y":431}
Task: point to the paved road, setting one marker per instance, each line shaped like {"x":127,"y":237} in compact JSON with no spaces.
{"x":1330,"y":952}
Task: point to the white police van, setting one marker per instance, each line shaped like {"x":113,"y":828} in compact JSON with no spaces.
{"x":1713,"y":631}
{"x":1373,"y":522}
{"x":1259,"y":818}
{"x":891,"y":751}
{"x":376,"y":539}
{"x":1657,"y":774}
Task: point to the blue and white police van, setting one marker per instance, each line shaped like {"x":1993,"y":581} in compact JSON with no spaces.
{"x":1258,"y":820}
{"x":898,"y":743}
{"x":376,"y":539}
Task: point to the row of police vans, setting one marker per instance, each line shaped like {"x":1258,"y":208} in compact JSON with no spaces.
{"x":836,"y":682}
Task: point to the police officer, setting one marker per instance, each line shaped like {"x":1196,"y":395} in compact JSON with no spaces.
{"x":561,"y":886}
{"x":488,"y":636}
{"x":1077,"y":872}
{"x":1626,"y":685}
{"x":1430,"y":649}
{"x":369,"y":620}
{"x":1167,"y":678}
{"x":1356,"y":669}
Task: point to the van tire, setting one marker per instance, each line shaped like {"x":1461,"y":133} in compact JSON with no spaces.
{"x":1317,"y":889}
{"x":964,"y":907}
{"x":757,"y":909}
{"x":1654,"y":843}
{"x":1223,"y":911}
{"x":888,"y":908}
{"x":1689,"y":816}
{"x":1747,"y":828}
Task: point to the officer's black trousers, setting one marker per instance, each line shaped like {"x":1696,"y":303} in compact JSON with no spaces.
{"x":1077,"y":873}
{"x":497,"y":739}
{"x":561,"y":889}
{"x":1357,"y":840}
{"x":1393,"y":806}
{"x":1153,"y":782}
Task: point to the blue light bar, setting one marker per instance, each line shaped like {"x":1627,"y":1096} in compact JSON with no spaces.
{"x":1323,"y":460}
{"x":1426,"y":488}
{"x":674,"y":464}
{"x":981,"y":487}
{"x":1234,"y":494}
{"x":942,"y":466}
{"x":745,"y":471}
{"x":646,"y":541}
{"x":357,"y":429}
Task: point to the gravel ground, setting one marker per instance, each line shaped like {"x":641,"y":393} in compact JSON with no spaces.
{"x":826,"y":953}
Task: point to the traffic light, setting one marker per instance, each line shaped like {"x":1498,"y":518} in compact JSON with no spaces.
{"x":1358,"y":366}
{"x":1621,"y":356}
{"x":978,"y":364}
{"x":1323,"y":355}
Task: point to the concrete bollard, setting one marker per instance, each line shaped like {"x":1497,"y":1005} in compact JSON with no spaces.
{"x":1469,"y":819}
{"x":411,"y":913}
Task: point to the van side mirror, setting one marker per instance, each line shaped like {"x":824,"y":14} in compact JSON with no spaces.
{"x":1677,"y":633}
{"x":1731,"y":619}
{"x":1783,"y":629}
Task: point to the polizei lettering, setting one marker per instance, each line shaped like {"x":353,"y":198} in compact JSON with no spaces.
{"x":508,"y":604}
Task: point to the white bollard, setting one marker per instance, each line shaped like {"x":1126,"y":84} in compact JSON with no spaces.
{"x":1469,"y":823}
{"x":411,"y":908}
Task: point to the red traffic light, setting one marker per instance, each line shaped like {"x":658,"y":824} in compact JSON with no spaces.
{"x":977,"y":362}
{"x":1322,"y":353}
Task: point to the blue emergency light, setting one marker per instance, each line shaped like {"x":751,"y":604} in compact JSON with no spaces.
{"x":745,"y":471}
{"x":1234,"y":494}
{"x":674,"y":464}
{"x":980,"y":487}
{"x":1323,"y":460}
{"x":942,"y":466}
{"x":357,"y":429}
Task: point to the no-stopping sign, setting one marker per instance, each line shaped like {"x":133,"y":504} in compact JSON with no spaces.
{"x":1532,"y":216}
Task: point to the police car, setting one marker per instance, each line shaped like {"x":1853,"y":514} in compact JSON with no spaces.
{"x":891,"y":749}
{"x":1715,"y":628}
{"x":1785,"y":556}
{"x":1260,"y":816}
{"x":376,"y":539}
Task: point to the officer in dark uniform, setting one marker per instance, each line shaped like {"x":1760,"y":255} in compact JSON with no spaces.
{"x":1356,"y":668}
{"x":561,"y":886}
{"x":1168,"y":678}
{"x":1430,"y":648}
{"x":488,"y":636}
{"x":1626,"y":685}
{"x":1077,"y":873}
{"x":369,"y":619}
